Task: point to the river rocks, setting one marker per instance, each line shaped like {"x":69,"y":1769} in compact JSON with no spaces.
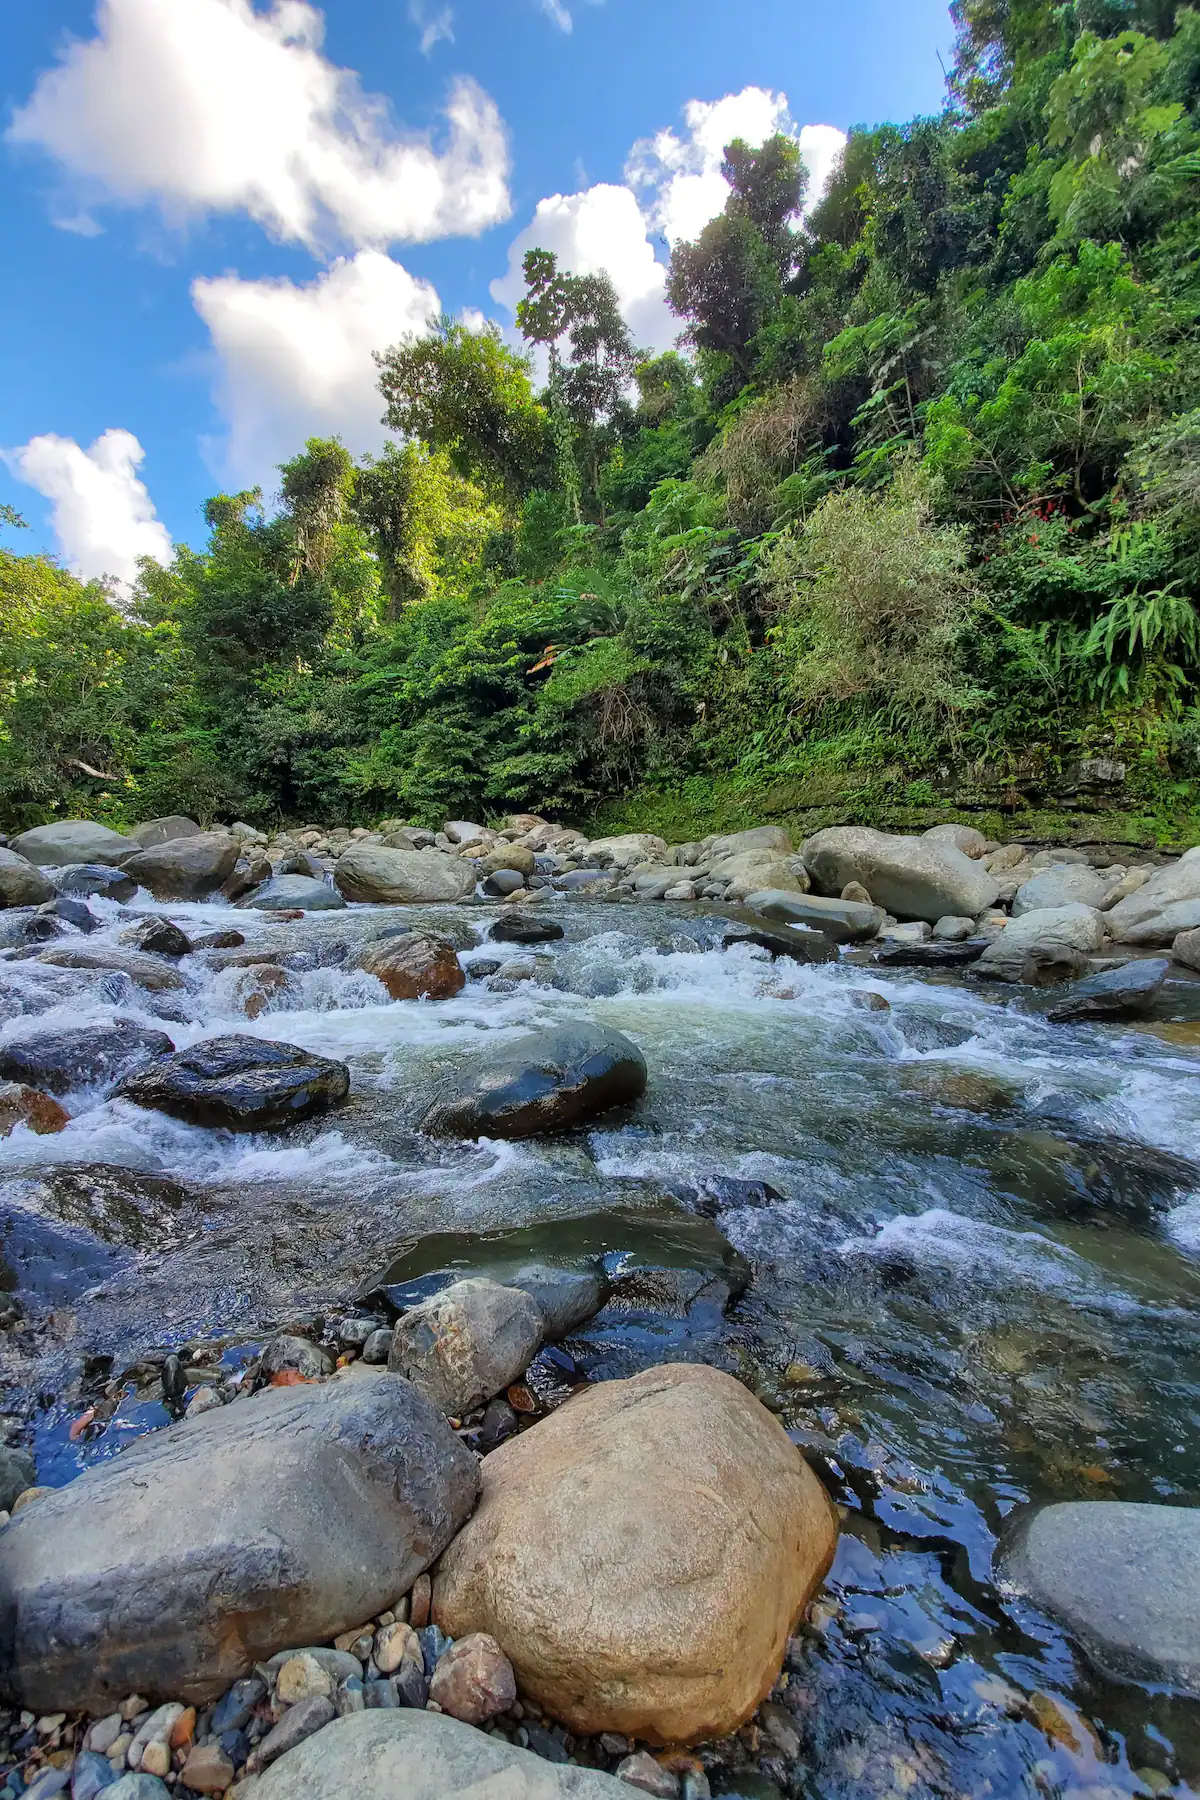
{"x":914,"y":878}
{"x":86,"y":1056}
{"x":1164,"y":906}
{"x":390,"y":877}
{"x":415,"y":965}
{"x":462,"y":831}
{"x":972,"y":843}
{"x":473,"y":1680}
{"x":771,"y":839}
{"x":21,"y":884}
{"x":551,"y":1080}
{"x":1075,"y":927}
{"x":185,"y":868}
{"x":910,"y":954}
{"x":298,"y":1723}
{"x":294,"y":1355}
{"x":72,"y":841}
{"x":149,"y":972}
{"x":239,"y":1084}
{"x":1124,"y":1578}
{"x":523,"y":928}
{"x":18,"y":1471}
{"x":153,"y":832}
{"x":629,"y":849}
{"x":284,"y":892}
{"x":20,"y":1105}
{"x":755,"y":872}
{"x":703,"y":1534}
{"x":516,"y":857}
{"x":207,"y":1770}
{"x":158,"y":937}
{"x":250,"y":871}
{"x":423,"y":1756}
{"x":85,"y":879}
{"x":953,"y":931}
{"x":467,"y":1343}
{"x":844,"y":921}
{"x":1125,"y":993}
{"x":798,"y":942}
{"x":175,"y":1567}
{"x":501,"y":884}
{"x":1061,"y":885}
{"x":1186,"y":949}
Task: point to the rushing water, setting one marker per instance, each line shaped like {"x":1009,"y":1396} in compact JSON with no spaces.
{"x":977,"y":1283}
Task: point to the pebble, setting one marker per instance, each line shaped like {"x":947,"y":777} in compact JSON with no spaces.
{"x":234,"y":1710}
{"x":207,"y":1770}
{"x":46,"y":1783}
{"x":49,"y":1723}
{"x":156,"y":1757}
{"x":641,"y":1771}
{"x":298,"y":1722}
{"x":434,"y":1644}
{"x":90,"y":1773}
{"x":380,"y":1693}
{"x":378,"y":1346}
{"x":205,"y":1399}
{"x":392,"y":1644}
{"x":473,"y":1680}
{"x":27,"y":1498}
{"x":349,"y":1697}
{"x":184,"y":1729}
{"x":138,"y":1787}
{"x":302,"y":1678}
{"x":131,"y":1706}
{"x":419,"y":1601}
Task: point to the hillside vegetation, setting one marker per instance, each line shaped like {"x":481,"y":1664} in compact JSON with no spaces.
{"x":914,"y":509}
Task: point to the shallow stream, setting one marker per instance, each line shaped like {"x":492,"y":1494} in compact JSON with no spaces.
{"x":973,"y":1241}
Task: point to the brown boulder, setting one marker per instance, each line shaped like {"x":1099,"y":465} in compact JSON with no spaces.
{"x":474,"y":1680}
{"x":21,"y":1105}
{"x":418,"y":965}
{"x":642,"y":1555}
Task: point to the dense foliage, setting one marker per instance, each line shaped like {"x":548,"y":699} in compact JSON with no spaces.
{"x":921,"y":486}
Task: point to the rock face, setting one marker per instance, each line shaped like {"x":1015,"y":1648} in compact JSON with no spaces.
{"x":21,"y":884}
{"x":153,"y":832}
{"x":72,"y":841}
{"x":150,"y":972}
{"x":284,"y":1519}
{"x":1125,"y":993}
{"x":423,"y":1756}
{"x":467,"y":1343}
{"x":84,"y":879}
{"x":185,"y":868}
{"x":388,"y":877}
{"x":549,"y":1081}
{"x":417,"y":965}
{"x":1123,"y":1577}
{"x":240,"y":1084}
{"x":1073,"y":927}
{"x":642,"y":1555}
{"x":914,"y":878}
{"x":1061,"y":885}
{"x":287,"y":891}
{"x":844,"y":921}
{"x":1162,"y":907}
{"x":87,"y":1056}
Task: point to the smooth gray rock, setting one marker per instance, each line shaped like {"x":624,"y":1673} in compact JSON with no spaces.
{"x":845,"y":921}
{"x":1061,"y":885}
{"x":284,"y":892}
{"x":299,"y":1353}
{"x":1073,"y":927}
{"x":550,"y":1080}
{"x":153,"y":832}
{"x":72,"y":841}
{"x":86,"y":1056}
{"x":239,"y":1083}
{"x":467,"y":1343}
{"x":85,"y":879}
{"x":21,"y":883}
{"x":1125,"y":993}
{"x":972,"y":843}
{"x":774,"y":840}
{"x":1162,"y":907}
{"x":187,"y":868}
{"x":914,"y":878}
{"x":382,"y":1754}
{"x":205,"y":1547}
{"x":390,"y":877}
{"x":564,"y":1297}
{"x":150,"y":972}
{"x":138,"y":1787}
{"x":1123,"y":1577}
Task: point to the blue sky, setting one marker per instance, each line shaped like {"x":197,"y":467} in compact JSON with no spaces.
{"x":214,"y":209}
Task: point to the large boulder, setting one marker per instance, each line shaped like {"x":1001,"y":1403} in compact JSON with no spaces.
{"x":415,"y":965}
{"x":1128,"y":992}
{"x":1164,"y":906}
{"x":626,"y":851}
{"x":382,"y":1754}
{"x":844,"y":921}
{"x":185,"y":868}
{"x":390,"y":877}
{"x":771,"y":839}
{"x":286,"y":892}
{"x":199,"y":1551}
{"x":518,"y":858}
{"x":550,"y":1080}
{"x":83,"y":1056}
{"x":914,"y":878}
{"x":239,"y":1084}
{"x":21,"y":883}
{"x":82,"y":880}
{"x":1075,"y":927}
{"x":150,"y":972}
{"x":467,"y":1343}
{"x":153,"y":832}
{"x":642,"y":1555}
{"x":1063,"y":884}
{"x":72,"y":841}
{"x":753,"y":871}
{"x":1123,"y":1577}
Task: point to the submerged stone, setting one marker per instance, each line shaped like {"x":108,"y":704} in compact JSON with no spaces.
{"x":1125,"y":993}
{"x":85,"y":1056}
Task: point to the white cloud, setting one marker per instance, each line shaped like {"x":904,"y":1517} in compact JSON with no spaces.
{"x":558,"y":14}
{"x":294,"y":361}
{"x":434,"y":27}
{"x":821,"y":147}
{"x":211,"y":106}
{"x":103,"y":516}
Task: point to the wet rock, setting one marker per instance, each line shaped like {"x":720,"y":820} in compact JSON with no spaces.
{"x":654,"y":1314}
{"x":86,"y":879}
{"x":972,"y":843}
{"x":473,"y":1680}
{"x":1124,"y":1578}
{"x":248,"y":872}
{"x":86,"y":1056}
{"x":941,"y":955}
{"x":524,"y":928}
{"x":415,"y":965}
{"x":914,"y":878}
{"x":178,"y":1565}
{"x":18,"y":1471}
{"x":295,"y":1354}
{"x":391,"y":877}
{"x":20,"y":1105}
{"x":153,"y":832}
{"x":239,"y":1084}
{"x":553,"y":1080}
{"x":149,"y":972}
{"x":1128,"y":992}
{"x":158,"y":937}
{"x":467,"y":1343}
{"x":187,"y":868}
{"x":21,"y":884}
{"x":501,"y":883}
{"x":381,"y":1755}
{"x":1075,"y":927}
{"x":797,"y":942}
{"x":1163,"y":907}
{"x":967,"y":1090}
{"x":286,"y":892}
{"x":711,"y":1194}
{"x":72,"y":841}
{"x":845,"y":921}
{"x":21,"y":927}
{"x":1061,"y":885}
{"x":703,"y":1534}
{"x":218,"y":940}
{"x":565,"y":1298}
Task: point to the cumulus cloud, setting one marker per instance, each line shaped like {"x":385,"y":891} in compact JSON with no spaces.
{"x":434,"y":26}
{"x":208,"y":106}
{"x":294,"y":360}
{"x":103,"y":516}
